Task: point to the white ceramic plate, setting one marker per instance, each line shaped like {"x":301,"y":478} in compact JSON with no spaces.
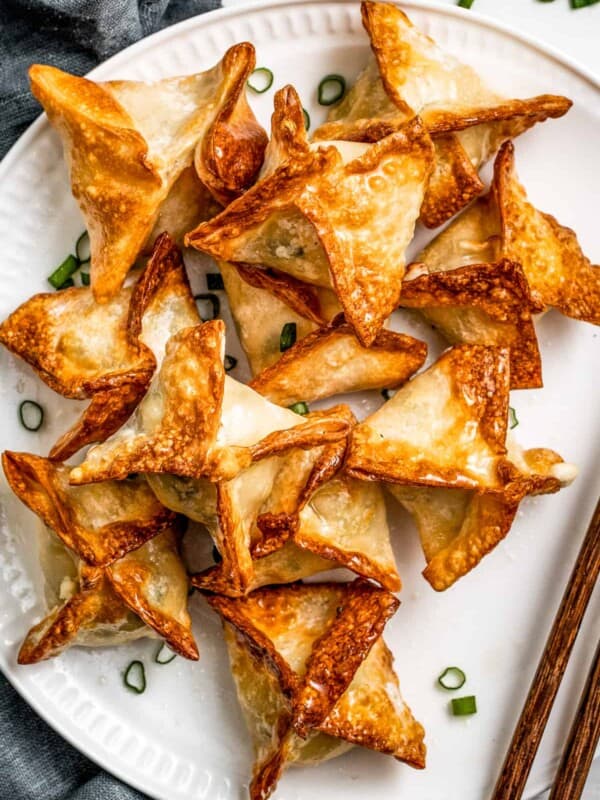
{"x":185,"y":738}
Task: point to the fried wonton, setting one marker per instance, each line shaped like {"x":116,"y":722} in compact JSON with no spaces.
{"x":314,"y":676}
{"x":481,"y":304}
{"x":128,"y":142}
{"x":110,"y":555}
{"x":409,"y":74}
{"x":197,"y":422}
{"x":101,"y":523}
{"x":336,"y":215}
{"x":504,"y":225}
{"x":458,"y":527}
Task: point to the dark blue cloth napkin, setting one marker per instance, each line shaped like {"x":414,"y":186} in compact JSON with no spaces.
{"x":35,"y":763}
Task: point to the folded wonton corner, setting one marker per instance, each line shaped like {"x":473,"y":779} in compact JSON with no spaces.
{"x":314,"y":676}
{"x":409,"y":74}
{"x":486,"y":304}
{"x":111,"y":557}
{"x":197,"y":422}
{"x":337,"y":216}
{"x":127,"y":143}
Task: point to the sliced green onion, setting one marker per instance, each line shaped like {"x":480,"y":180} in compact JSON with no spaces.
{"x":306,"y":116}
{"x":164,"y":654}
{"x":387,"y":394}
{"x":214,"y":282}
{"x":452,"y":678}
{"x":31,"y":415}
{"x":67,"y":284}
{"x":217,"y":558}
{"x":135,"y":677}
{"x":60,"y":276}
{"x":208,"y":306}
{"x":299,"y":408}
{"x":331,"y":89}
{"x":85,"y":278}
{"x":230,"y":363}
{"x":465,"y":3}
{"x":512,"y":418}
{"x":82,"y":248}
{"x":583,"y":3}
{"x":463,"y":706}
{"x":287,"y":337}
{"x":263,"y":80}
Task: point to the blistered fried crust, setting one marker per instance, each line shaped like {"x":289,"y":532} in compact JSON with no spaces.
{"x":446,"y":427}
{"x":153,"y":583}
{"x":332,"y":361}
{"x":126,"y":144}
{"x":94,"y":605}
{"x":557,"y":271}
{"x":467,"y":120}
{"x":481,"y":304}
{"x":335,"y":645}
{"x":100,"y":523}
{"x":361,"y":259}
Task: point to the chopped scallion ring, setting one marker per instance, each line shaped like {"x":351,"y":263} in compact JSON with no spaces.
{"x":135,"y":677}
{"x":82,"y":248}
{"x":31,"y":415}
{"x":452,"y":678}
{"x":512,"y":418}
{"x":463,"y":706}
{"x":261,"y":80}
{"x":287,"y":337}
{"x":214,"y":282}
{"x":465,"y":3}
{"x":331,"y":89}
{"x":208,"y":306}
{"x":582,"y":3}
{"x":85,"y":278}
{"x":299,"y":408}
{"x":306,"y":116}
{"x":230,"y":363}
{"x":164,"y":654}
{"x":60,"y":277}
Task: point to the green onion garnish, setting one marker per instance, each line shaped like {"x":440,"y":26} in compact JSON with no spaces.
{"x":164,"y":654}
{"x":230,"y":363}
{"x":82,"y":248}
{"x":61,"y":275}
{"x":287,"y":337}
{"x":512,"y":418}
{"x":331,"y":89}
{"x":208,"y":306}
{"x":214,"y":282}
{"x":217,"y":558}
{"x":306,"y":116}
{"x":582,"y":3}
{"x":463,"y":706}
{"x":263,"y":80}
{"x":299,"y":408}
{"x":31,"y":415}
{"x":387,"y":394}
{"x":135,"y":677}
{"x":85,"y":278}
{"x":465,"y":3}
{"x":452,"y":678}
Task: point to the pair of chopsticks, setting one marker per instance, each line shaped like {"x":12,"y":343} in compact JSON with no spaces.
{"x":585,"y":730}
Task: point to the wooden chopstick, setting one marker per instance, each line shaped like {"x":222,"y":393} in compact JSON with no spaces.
{"x":583,"y":739}
{"x":547,"y":680}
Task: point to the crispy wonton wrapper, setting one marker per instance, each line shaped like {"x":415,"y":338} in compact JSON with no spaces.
{"x":467,"y":120}
{"x":458,"y":527}
{"x":128,"y":142}
{"x":197,"y":422}
{"x":481,"y":304}
{"x":314,"y":676}
{"x":504,"y":225}
{"x":113,"y":552}
{"x":338,"y":216}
